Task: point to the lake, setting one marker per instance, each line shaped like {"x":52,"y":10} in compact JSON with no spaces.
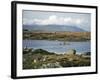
{"x":58,"y":46}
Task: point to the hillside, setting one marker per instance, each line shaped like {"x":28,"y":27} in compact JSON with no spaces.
{"x":54,"y":28}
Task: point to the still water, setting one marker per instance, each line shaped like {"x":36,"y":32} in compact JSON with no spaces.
{"x":57,"y":46}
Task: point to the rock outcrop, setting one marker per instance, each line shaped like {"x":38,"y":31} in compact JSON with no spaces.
{"x":71,"y":52}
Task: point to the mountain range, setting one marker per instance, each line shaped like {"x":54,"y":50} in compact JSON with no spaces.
{"x":53,"y":28}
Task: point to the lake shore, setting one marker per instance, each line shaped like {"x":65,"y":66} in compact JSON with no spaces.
{"x":39,"y":59}
{"x":57,"y":46}
{"x":60,"y":36}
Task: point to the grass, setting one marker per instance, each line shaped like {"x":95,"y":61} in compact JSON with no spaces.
{"x":43,"y":59}
{"x":61,"y":36}
{"x":39,"y":58}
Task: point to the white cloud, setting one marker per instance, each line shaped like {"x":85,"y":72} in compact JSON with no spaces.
{"x":78,"y":21}
{"x":53,"y":19}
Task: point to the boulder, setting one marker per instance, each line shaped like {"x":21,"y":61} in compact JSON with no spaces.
{"x":71,"y":51}
{"x":87,"y":53}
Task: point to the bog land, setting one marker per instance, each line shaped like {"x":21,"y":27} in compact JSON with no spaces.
{"x":39,"y":58}
{"x":61,"y":36}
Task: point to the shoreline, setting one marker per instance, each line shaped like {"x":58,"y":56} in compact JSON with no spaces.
{"x":61,"y":36}
{"x":57,"y":53}
{"x":61,"y":40}
{"x":39,"y":58}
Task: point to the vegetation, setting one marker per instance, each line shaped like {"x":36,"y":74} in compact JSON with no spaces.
{"x":61,"y":36}
{"x":39,"y":58}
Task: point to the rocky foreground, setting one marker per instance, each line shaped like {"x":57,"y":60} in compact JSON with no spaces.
{"x":39,"y":59}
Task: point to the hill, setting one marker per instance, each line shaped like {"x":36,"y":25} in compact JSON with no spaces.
{"x":53,"y":28}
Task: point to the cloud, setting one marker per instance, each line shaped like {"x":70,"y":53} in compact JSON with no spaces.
{"x":53,"y":19}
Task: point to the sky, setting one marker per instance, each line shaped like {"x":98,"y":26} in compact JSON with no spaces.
{"x":81,"y":20}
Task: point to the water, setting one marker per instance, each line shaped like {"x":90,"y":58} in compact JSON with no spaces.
{"x":57,"y":46}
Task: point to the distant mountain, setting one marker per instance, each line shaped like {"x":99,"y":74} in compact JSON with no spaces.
{"x":53,"y":28}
